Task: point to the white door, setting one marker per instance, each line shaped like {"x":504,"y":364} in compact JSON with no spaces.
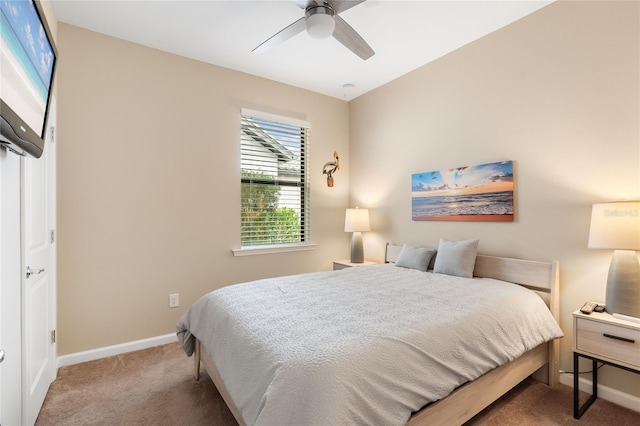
{"x":38,"y":309}
{"x":10,"y":279}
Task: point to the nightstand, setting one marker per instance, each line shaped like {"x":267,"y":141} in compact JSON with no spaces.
{"x":602,"y":338}
{"x":342,"y":264}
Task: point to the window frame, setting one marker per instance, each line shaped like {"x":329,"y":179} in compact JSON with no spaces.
{"x":304,"y":231}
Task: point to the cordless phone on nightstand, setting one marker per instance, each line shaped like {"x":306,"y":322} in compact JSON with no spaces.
{"x":589,"y":307}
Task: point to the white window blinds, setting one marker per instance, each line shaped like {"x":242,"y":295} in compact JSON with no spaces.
{"x":273,"y":180}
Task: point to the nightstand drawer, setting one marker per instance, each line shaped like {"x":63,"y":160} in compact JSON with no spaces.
{"x":608,"y":340}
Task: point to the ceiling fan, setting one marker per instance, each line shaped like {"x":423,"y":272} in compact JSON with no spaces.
{"x":321,"y":20}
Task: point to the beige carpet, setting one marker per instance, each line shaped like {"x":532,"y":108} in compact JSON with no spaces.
{"x":156,"y":387}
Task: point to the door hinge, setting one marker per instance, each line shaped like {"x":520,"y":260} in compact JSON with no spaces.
{"x":53,"y":236}
{"x":53,"y":336}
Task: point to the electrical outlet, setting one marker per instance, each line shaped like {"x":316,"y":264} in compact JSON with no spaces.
{"x":174,"y":300}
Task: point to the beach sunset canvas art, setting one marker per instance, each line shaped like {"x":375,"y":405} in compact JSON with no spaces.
{"x":476,"y":193}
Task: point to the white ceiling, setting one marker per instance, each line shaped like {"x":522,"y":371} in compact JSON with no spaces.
{"x":404,"y":34}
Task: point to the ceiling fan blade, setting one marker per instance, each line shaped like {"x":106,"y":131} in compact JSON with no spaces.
{"x":281,"y":36}
{"x":304,"y":4}
{"x":340,"y":6}
{"x":346,"y":35}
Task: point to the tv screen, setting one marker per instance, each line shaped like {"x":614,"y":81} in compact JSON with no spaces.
{"x":27,"y":63}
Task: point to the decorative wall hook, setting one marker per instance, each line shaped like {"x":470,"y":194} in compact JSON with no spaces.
{"x":330,"y":168}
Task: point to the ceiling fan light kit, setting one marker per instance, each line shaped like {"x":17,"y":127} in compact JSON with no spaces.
{"x":320,"y":22}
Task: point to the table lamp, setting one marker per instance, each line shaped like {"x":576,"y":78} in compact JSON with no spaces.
{"x":357,"y":221}
{"x":617,"y":226}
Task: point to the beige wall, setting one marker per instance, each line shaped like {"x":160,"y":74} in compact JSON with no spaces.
{"x":148,"y":185}
{"x":557,"y":92}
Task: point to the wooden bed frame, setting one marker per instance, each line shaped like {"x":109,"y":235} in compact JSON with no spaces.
{"x":471,"y":398}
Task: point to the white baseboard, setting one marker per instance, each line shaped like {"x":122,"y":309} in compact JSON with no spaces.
{"x":122,"y":348}
{"x":605,"y":392}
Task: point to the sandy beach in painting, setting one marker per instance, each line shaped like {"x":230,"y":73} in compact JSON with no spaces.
{"x":470,"y":218}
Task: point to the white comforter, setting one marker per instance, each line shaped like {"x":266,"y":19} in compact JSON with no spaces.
{"x":367,"y":345}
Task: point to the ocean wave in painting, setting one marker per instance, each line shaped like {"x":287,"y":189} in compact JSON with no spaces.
{"x":491,"y":203}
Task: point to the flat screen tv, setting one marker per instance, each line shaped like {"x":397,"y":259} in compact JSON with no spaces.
{"x":27,"y":62}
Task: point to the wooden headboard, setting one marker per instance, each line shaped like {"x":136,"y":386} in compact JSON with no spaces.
{"x":541,"y":277}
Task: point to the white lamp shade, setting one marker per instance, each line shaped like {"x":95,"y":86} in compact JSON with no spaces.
{"x":356,"y":220}
{"x":320,"y":22}
{"x":615,"y":226}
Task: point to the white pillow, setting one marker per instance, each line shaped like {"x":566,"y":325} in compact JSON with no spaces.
{"x":456,"y":257}
{"x":414,"y":257}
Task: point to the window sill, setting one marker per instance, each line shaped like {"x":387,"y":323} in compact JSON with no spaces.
{"x":284,"y":248}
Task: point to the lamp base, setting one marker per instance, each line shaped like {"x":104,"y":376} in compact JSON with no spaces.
{"x":357,"y":251}
{"x":623,"y":284}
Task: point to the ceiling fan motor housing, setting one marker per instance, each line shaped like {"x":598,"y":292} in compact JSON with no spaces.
{"x":319,"y":21}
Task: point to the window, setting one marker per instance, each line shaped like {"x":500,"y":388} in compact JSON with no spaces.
{"x":273,"y":180}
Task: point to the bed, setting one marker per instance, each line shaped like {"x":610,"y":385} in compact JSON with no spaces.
{"x":353,"y":368}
